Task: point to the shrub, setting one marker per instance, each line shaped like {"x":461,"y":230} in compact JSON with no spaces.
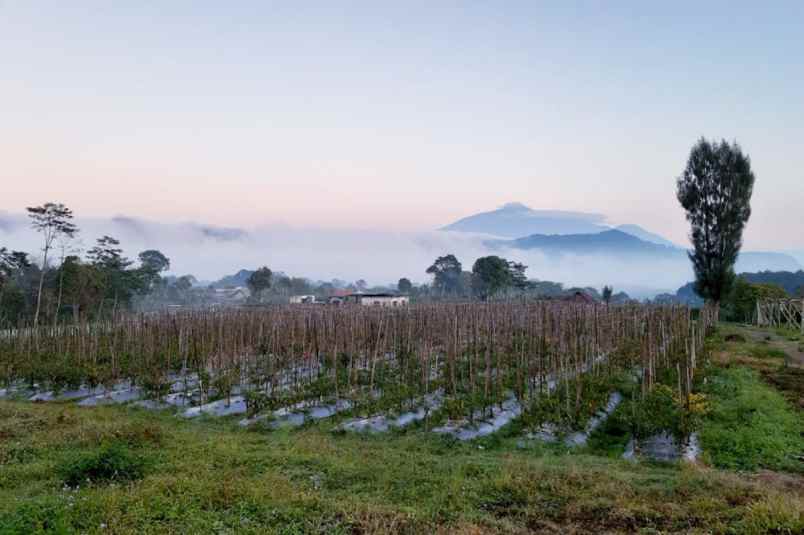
{"x":112,"y":462}
{"x":656,"y":413}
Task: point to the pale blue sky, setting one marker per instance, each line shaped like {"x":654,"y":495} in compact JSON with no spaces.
{"x":400,"y":116}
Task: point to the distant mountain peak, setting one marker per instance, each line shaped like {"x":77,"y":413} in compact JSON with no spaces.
{"x":515,"y":207}
{"x":645,"y":235}
{"x":515,"y":219}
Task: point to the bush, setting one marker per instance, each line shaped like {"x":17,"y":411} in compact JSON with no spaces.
{"x":112,"y":462}
{"x":40,"y":516}
{"x":657,"y":412}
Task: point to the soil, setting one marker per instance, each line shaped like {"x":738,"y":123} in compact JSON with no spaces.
{"x":793,"y":349}
{"x":789,"y":379}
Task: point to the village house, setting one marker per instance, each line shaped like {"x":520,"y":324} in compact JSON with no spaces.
{"x":235,"y":295}
{"x":377,"y":299}
{"x":302,"y":299}
{"x":581,"y":298}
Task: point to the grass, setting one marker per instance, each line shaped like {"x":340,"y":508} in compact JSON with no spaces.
{"x":111,"y":469}
{"x":773,"y":365}
{"x":750,"y":425}
{"x":209,"y":476}
{"x":113,"y":462}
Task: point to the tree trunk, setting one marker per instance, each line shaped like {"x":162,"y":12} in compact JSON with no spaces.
{"x":41,"y":285}
{"x":61,"y":287}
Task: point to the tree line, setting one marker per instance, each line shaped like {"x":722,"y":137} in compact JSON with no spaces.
{"x":100,"y":282}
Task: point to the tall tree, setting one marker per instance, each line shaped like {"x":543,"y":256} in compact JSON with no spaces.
{"x":152,"y":263}
{"x":108,"y":257}
{"x":259,"y":281}
{"x":490,"y":275}
{"x":715,"y":190}
{"x":52,"y":220}
{"x":65,"y":248}
{"x":608,"y":291}
{"x":404,"y":286}
{"x":446,"y":272}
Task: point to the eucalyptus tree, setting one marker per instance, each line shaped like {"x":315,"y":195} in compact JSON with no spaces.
{"x":446,"y":271}
{"x":608,"y":291}
{"x":259,"y":281}
{"x":715,"y":190}
{"x":490,"y":275}
{"x":52,"y":220}
{"x":12,"y":266}
{"x":108,"y":257}
{"x":152,"y":263}
{"x":404,"y":286}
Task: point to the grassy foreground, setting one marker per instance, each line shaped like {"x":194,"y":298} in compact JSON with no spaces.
{"x":65,"y":469}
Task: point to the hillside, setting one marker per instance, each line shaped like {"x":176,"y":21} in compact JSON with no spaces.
{"x":625,"y":246}
{"x":792,"y":282}
{"x":513,"y":220}
{"x":561,"y":233}
{"x":607,"y":242}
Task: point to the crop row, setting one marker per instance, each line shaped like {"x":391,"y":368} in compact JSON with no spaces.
{"x":477,"y":354}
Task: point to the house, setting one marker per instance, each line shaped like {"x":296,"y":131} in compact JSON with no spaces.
{"x":236,"y":294}
{"x":377,"y":299}
{"x":302,"y":299}
{"x":580,"y":297}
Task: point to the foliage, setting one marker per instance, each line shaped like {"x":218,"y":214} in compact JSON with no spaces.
{"x":741,"y":302}
{"x":112,"y":462}
{"x":404,"y":286}
{"x":81,"y":287}
{"x":492,"y":274}
{"x":607,"y":293}
{"x":53,"y":221}
{"x":715,"y":190}
{"x":152,"y":263}
{"x":259,"y":281}
{"x":217,"y":477}
{"x":658,"y":412}
{"x":477,"y":353}
{"x":791,"y":281}
{"x":750,"y":425}
{"x":446,"y":272}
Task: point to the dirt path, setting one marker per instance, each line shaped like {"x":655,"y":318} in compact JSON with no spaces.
{"x":792,"y":348}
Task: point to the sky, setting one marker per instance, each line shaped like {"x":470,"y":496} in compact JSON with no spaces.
{"x":396,"y":116}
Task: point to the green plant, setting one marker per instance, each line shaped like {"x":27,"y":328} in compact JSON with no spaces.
{"x":749,"y":425}
{"x":112,"y":462}
{"x":657,"y":412}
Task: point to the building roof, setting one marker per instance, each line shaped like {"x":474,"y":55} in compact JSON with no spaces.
{"x":359,"y":294}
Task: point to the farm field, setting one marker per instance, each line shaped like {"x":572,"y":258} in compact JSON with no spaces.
{"x":126,"y":468}
{"x":471,"y":368}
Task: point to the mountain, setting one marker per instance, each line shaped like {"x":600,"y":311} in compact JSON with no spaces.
{"x":645,"y":235}
{"x":515,"y":219}
{"x":615,"y":243}
{"x":791,"y":281}
{"x":238,"y":279}
{"x":606,"y":242}
{"x":753,"y":261}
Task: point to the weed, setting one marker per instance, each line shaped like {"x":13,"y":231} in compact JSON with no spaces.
{"x":749,"y":424}
{"x":112,"y":462}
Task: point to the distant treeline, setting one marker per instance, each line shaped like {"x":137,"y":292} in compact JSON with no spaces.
{"x":68,"y":284}
{"x":740,"y":304}
{"x":791,"y":281}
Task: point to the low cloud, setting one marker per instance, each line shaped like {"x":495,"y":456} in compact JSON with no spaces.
{"x":379,"y":257}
